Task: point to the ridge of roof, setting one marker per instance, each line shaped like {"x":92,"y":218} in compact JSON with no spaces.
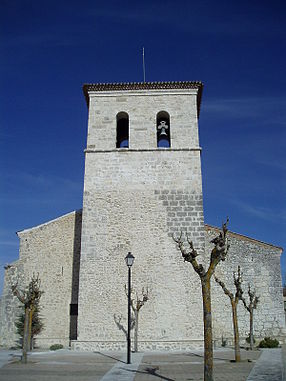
{"x":242,"y":236}
{"x":48,"y":222}
{"x":207,"y":226}
{"x":117,"y":86}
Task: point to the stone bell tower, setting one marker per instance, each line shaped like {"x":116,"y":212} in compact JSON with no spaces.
{"x":142,"y":184}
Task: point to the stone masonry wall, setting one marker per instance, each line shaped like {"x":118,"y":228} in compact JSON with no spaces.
{"x":130,"y":213}
{"x":260,"y":264}
{"x":50,"y":250}
{"x":10,"y":307}
{"x":131,"y":199}
{"x":142,"y":108}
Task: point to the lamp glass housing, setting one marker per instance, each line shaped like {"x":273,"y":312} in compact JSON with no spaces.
{"x":129,"y":259}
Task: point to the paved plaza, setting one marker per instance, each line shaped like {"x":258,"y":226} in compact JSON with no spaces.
{"x":264,"y":365}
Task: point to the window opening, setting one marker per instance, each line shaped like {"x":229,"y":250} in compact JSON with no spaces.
{"x":163,"y":130}
{"x":122,"y":130}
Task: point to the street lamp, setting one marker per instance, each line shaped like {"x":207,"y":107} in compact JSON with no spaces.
{"x":129,"y":259}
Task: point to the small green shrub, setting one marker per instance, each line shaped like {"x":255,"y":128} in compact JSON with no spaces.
{"x":55,"y":347}
{"x":268,"y":343}
{"x":248,"y":340}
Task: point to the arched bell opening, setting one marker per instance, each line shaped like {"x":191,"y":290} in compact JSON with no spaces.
{"x":163,"y":130}
{"x":122,"y":130}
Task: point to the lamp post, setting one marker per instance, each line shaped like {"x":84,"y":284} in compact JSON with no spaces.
{"x":129,"y":259}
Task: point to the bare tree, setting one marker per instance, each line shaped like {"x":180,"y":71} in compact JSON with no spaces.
{"x":30,"y":299}
{"x":218,"y":254}
{"x":137,"y":302}
{"x":234,"y":299}
{"x":251,"y":306}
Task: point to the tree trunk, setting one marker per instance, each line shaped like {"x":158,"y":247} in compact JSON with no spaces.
{"x":251,"y":338}
{"x":25,"y":336}
{"x":30,"y":329}
{"x":208,"y":341}
{"x":235,"y":331}
{"x":136,"y":331}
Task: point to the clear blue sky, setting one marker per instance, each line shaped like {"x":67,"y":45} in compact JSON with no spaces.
{"x":236,"y":48}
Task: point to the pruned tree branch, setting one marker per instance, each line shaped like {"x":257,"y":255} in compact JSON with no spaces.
{"x":225,"y":290}
{"x":29,"y":297}
{"x":21,"y":295}
{"x":237,"y":280}
{"x":220,"y":250}
{"x":253,"y":300}
{"x":190,"y":255}
{"x":218,"y":253}
{"x":145,"y":297}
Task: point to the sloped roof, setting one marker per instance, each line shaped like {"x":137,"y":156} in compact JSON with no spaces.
{"x":242,"y":237}
{"x":144,"y":86}
{"x":19,"y":232}
{"x":207,"y":227}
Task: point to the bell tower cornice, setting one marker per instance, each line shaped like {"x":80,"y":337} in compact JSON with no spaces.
{"x":147,"y":88}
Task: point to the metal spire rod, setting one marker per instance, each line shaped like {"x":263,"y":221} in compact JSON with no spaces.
{"x":143,"y":65}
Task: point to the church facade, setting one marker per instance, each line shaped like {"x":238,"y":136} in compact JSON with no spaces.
{"x":142,"y":185}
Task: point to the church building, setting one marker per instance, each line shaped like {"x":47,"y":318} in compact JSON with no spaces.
{"x":142,"y":185}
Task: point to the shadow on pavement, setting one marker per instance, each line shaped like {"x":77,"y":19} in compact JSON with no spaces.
{"x":214,"y":357}
{"x":150,"y":372}
{"x":111,"y":357}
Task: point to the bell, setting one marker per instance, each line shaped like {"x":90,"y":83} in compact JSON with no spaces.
{"x":163,"y":127}
{"x":163,"y":132}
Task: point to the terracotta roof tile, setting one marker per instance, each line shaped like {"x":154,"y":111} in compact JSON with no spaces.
{"x":143,"y":86}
